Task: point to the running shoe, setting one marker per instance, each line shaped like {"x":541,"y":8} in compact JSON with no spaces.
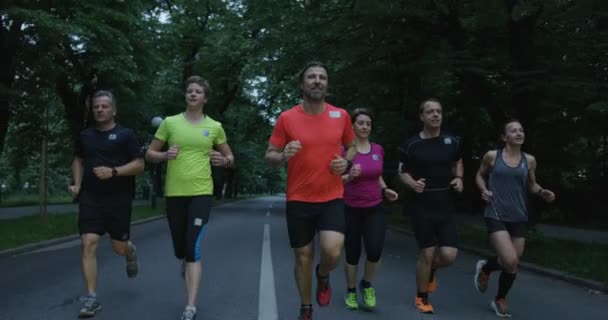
{"x":481,"y":278}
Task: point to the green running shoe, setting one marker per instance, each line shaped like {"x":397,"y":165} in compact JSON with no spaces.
{"x":369,"y":297}
{"x":351,"y":301}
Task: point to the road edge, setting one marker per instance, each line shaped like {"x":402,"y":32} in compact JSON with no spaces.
{"x":51,"y":242}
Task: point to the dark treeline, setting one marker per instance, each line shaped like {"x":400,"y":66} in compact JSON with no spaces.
{"x":543,"y":62}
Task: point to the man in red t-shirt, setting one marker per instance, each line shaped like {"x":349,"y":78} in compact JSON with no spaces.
{"x":308,"y":137}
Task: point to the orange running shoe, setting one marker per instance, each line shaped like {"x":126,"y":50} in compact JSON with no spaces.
{"x":481,"y":278}
{"x":500,"y":308}
{"x":423,"y":305}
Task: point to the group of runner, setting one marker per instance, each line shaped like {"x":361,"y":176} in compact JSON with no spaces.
{"x":334,"y":188}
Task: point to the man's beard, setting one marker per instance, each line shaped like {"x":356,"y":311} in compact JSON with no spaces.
{"x":316,"y":96}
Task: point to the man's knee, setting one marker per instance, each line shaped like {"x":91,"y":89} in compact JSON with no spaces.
{"x":447,"y":255}
{"x":304,"y":255}
{"x":89,"y":244}
{"x":331,"y":249}
{"x":426,"y":255}
{"x":331,"y":256}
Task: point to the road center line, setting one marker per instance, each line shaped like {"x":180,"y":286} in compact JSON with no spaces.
{"x":268,"y":299}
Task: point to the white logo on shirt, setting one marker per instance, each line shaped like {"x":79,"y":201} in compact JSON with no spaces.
{"x":375,"y":157}
{"x":205,"y":132}
{"x":447,"y":141}
{"x":112,"y":136}
{"x":334,"y":114}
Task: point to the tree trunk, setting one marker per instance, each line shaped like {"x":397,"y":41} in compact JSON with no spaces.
{"x":76,"y":103}
{"x":468,"y":103}
{"x":525,"y":70}
{"x":9,"y":41}
{"x":43,"y":174}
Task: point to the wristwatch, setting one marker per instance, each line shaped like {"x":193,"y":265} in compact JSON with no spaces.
{"x":349,"y":164}
{"x":114,"y":172}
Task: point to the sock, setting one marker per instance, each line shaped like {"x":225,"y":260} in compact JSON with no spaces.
{"x":432,"y":274}
{"x":93,"y":295}
{"x":365,"y":284}
{"x":504,"y":284}
{"x":192,"y":308}
{"x":131,"y":249}
{"x":423,"y":295}
{"x":320,"y":276}
{"x":352,"y":290}
{"x":491,"y":265}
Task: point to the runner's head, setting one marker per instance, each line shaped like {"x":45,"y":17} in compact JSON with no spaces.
{"x":313,"y":80}
{"x":103,"y":106}
{"x":362,"y":122}
{"x":431,"y":113}
{"x":513,"y":133}
{"x":197,"y":91}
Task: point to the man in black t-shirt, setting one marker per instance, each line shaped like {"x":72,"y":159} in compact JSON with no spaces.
{"x":107,"y":159}
{"x":431,"y":166}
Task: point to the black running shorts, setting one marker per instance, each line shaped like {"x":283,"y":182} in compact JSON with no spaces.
{"x":304,"y":219}
{"x":433,"y":231}
{"x":515,"y":229}
{"x":114,"y":219}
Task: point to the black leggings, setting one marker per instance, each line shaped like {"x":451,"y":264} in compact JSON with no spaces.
{"x":188,"y":217}
{"x":369,"y":224}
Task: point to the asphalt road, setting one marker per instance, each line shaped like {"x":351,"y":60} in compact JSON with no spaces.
{"x":245,"y":252}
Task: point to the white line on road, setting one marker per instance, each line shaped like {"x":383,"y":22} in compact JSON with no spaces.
{"x":268,"y":213}
{"x":60,"y":246}
{"x":268,"y":298}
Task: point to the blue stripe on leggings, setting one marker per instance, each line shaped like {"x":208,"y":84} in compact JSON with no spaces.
{"x":197,"y":246}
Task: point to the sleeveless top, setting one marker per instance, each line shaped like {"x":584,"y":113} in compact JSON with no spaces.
{"x":509,"y":186}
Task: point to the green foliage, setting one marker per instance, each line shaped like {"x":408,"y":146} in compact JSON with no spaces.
{"x":486,"y":61}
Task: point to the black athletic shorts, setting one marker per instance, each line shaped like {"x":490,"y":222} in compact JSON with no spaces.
{"x":188,"y":217}
{"x":515,"y":229}
{"x":304,"y":219}
{"x":114,"y":219}
{"x":434,"y":231}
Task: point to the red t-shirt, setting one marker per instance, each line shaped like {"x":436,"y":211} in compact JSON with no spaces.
{"x":309,"y":177}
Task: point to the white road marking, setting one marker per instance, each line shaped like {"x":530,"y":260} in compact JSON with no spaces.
{"x":268,"y":298}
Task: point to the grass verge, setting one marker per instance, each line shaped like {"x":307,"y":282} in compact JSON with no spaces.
{"x":25,"y":230}
{"x":25,"y":200}
{"x":581,"y":259}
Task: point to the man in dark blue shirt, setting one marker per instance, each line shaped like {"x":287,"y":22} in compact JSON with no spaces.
{"x":431,"y":166}
{"x":107,"y":159}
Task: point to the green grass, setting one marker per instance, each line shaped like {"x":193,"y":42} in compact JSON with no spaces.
{"x":576,"y":258}
{"x":24,"y":230}
{"x":24,"y":200}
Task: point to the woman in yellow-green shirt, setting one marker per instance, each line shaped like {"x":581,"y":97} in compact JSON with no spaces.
{"x":195,"y":143}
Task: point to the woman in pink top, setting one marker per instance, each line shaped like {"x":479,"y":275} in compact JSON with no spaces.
{"x":364,"y":215}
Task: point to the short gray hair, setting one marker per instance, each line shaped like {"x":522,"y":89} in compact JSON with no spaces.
{"x":104,"y":93}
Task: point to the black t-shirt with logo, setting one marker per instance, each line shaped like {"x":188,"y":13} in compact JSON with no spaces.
{"x":432,"y":159}
{"x":112,"y":148}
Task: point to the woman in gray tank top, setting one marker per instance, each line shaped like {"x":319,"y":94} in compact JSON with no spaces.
{"x":505,"y":178}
